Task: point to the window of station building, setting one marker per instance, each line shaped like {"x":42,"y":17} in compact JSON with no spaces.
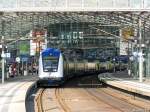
{"x":75,"y":35}
{"x":55,"y":34}
{"x":80,"y":35}
{"x":68,"y":36}
{"x":62,"y":36}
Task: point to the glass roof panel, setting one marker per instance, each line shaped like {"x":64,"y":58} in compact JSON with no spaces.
{"x":74,"y":3}
{"x":147,"y":3}
{"x":42,"y":3}
{"x":105,"y":3}
{"x":18,"y":23}
{"x":136,"y":3}
{"x":26,"y":3}
{"x":121,"y":4}
{"x":90,"y":3}
{"x":58,"y":3}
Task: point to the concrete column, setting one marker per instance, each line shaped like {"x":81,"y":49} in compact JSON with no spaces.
{"x":3,"y":55}
{"x":3,"y":61}
{"x":140,"y":67}
{"x":140,"y":53}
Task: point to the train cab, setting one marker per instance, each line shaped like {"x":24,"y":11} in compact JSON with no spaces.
{"x":50,"y":66}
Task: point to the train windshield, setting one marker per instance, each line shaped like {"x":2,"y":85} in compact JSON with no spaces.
{"x":50,"y":64}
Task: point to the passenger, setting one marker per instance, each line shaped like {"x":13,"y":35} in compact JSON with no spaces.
{"x":37,"y":69}
{"x":10,"y":70}
{"x":30,"y":69}
{"x":14,"y":71}
{"x":20,"y":73}
{"x":21,"y":70}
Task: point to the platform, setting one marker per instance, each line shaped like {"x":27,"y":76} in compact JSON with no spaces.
{"x":13,"y":92}
{"x":124,"y":81}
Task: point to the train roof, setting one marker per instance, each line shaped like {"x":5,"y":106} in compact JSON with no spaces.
{"x":51,"y":52}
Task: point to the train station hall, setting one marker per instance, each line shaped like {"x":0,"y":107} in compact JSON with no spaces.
{"x":74,"y":56}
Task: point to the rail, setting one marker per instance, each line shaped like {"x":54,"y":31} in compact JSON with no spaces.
{"x":38,"y":101}
{"x":61,"y":101}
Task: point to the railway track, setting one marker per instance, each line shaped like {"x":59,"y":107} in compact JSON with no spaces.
{"x":61,"y":101}
{"x":106,"y":96}
{"x":140,"y":104}
{"x":99,"y":100}
{"x":39,"y":101}
{"x":77,"y":98}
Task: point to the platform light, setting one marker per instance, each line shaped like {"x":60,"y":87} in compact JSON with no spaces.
{"x":143,"y":45}
{"x":135,"y":54}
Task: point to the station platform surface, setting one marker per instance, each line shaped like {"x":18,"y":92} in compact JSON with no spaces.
{"x":13,"y":93}
{"x":123,"y":81}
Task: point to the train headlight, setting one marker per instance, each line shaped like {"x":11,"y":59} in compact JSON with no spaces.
{"x":55,"y":70}
{"x":45,"y":70}
{"x":41,"y":76}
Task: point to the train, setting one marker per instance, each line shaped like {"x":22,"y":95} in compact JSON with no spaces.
{"x":55,"y":68}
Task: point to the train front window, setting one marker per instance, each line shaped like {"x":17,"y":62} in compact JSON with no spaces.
{"x":50,"y":64}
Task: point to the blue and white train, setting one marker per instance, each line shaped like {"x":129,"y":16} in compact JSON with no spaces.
{"x":50,"y":67}
{"x":55,"y":68}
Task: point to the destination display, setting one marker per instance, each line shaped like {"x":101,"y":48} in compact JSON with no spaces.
{"x":50,"y":58}
{"x":50,"y":64}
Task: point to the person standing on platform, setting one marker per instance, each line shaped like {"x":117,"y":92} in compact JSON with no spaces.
{"x":14,"y":70}
{"x":10,"y":70}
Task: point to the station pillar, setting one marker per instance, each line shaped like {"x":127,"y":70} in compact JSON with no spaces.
{"x":140,"y":53}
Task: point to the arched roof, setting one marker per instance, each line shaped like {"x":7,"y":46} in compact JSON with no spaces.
{"x":18,"y":24}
